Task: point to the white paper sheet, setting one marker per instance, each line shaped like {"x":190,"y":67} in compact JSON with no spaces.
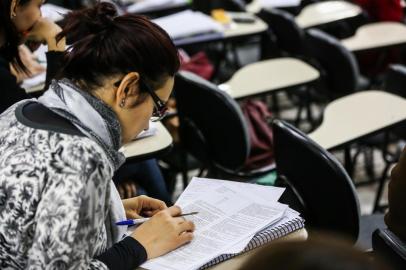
{"x":151,"y":131}
{"x":200,"y":186}
{"x":279,"y":3}
{"x":227,"y":216}
{"x":152,"y":5}
{"x":188,"y":23}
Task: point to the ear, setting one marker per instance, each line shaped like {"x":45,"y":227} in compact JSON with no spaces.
{"x":128,"y":89}
{"x":13,"y":8}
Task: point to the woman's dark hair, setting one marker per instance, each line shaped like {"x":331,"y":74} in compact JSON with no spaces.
{"x":10,"y":49}
{"x":104,"y":44}
{"x":323,"y":252}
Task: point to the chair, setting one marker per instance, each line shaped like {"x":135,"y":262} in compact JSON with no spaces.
{"x":321,"y":189}
{"x":341,"y":72}
{"x":290,"y":38}
{"x":389,"y":246}
{"x":212,"y":126}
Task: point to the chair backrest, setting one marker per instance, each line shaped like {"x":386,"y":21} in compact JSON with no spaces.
{"x":212,"y":126}
{"x":390,"y":247}
{"x":290,"y":37}
{"x":395,"y":81}
{"x":339,"y":65}
{"x":207,"y":6}
{"x":322,"y":185}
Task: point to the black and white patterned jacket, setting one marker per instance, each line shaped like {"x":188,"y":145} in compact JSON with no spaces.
{"x":54,"y":194}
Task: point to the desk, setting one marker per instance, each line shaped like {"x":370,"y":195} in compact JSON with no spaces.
{"x":256,"y":5}
{"x":358,"y":115}
{"x":376,"y":35}
{"x":236,"y":262}
{"x":269,"y":76}
{"x":235,"y":30}
{"x":149,"y":147}
{"x":326,"y":12}
{"x":148,"y":6}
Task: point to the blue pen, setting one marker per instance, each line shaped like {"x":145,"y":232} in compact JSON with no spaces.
{"x":138,"y":221}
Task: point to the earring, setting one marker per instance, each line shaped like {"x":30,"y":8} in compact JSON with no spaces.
{"x":122,"y":103}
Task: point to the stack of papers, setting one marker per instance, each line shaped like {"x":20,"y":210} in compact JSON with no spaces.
{"x":279,"y":3}
{"x":230,"y":215}
{"x":151,"y":131}
{"x":189,"y":23}
{"x":153,"y":5}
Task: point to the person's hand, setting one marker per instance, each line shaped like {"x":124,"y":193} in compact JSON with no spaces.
{"x":45,"y":31}
{"x":29,"y":62}
{"x":127,"y":189}
{"x":164,"y":232}
{"x":142,"y":206}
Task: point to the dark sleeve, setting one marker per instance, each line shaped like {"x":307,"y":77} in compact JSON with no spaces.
{"x":11,"y":92}
{"x":54,"y":63}
{"x":126,"y":254}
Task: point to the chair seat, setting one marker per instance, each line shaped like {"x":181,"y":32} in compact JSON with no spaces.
{"x":368,"y":224}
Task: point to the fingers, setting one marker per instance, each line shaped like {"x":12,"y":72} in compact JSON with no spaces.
{"x":186,"y":226}
{"x":151,"y":205}
{"x":185,"y":237}
{"x":174,"y":211}
{"x":128,"y":190}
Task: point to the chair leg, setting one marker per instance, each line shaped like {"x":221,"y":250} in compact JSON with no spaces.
{"x":348,"y":161}
{"x":379,"y":191}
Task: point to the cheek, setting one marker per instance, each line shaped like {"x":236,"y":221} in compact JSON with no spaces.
{"x":27,"y":18}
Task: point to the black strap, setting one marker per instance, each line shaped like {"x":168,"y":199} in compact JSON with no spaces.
{"x":36,"y":115}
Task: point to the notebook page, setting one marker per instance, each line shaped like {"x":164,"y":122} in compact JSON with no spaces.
{"x":290,"y":214}
{"x":200,"y":186}
{"x":188,"y":23}
{"x":279,"y":3}
{"x":224,"y":219}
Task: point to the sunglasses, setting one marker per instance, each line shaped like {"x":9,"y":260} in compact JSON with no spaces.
{"x":160,"y":108}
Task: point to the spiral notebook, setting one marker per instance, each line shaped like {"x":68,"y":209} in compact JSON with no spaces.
{"x":291,"y":223}
{"x":232,"y":218}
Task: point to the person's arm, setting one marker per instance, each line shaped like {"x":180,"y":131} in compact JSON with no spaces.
{"x":11,"y":92}
{"x":71,"y":213}
{"x":45,"y":31}
{"x":54,"y":63}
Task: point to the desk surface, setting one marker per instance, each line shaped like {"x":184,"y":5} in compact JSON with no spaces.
{"x":256,"y":5}
{"x":376,"y":35}
{"x":235,"y":30}
{"x":149,"y":147}
{"x":269,"y":75}
{"x":236,"y":262}
{"x":326,"y":12}
{"x":358,"y":115}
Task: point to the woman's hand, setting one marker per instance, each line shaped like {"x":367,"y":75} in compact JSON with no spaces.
{"x":29,"y":62}
{"x":142,"y":206}
{"x":45,"y":31}
{"x":127,"y":189}
{"x":164,"y":232}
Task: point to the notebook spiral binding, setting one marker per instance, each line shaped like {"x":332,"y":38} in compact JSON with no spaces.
{"x":261,"y":238}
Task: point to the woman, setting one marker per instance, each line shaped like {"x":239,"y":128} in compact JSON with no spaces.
{"x":58,"y":205}
{"x":20,"y":21}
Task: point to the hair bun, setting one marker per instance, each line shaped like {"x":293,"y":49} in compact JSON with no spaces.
{"x":103,"y":13}
{"x":93,"y":20}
